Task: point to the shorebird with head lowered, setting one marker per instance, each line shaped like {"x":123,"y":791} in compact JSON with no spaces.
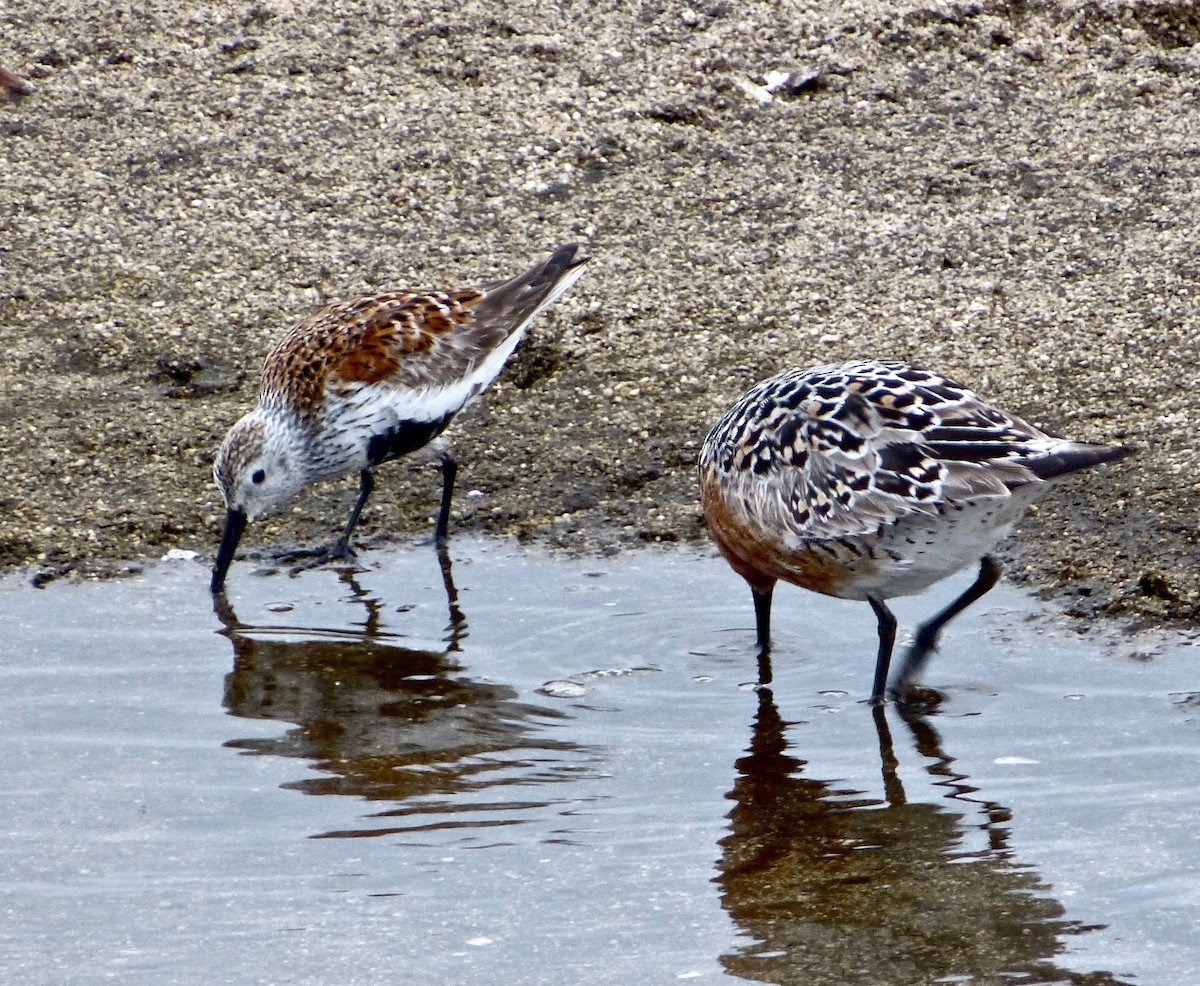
{"x":365,"y":381}
{"x":871,"y":480}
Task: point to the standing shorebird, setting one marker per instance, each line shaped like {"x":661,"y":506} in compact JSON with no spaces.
{"x":369,"y":380}
{"x":871,"y":480}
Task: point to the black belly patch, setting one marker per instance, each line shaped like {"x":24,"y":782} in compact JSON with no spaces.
{"x":407,"y":436}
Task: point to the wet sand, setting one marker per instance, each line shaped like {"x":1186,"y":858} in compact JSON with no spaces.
{"x":1003,"y":192}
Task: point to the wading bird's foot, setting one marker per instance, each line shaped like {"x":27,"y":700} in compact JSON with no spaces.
{"x":291,"y":554}
{"x":439,"y":543}
{"x":916,"y":700}
{"x":316,"y":557}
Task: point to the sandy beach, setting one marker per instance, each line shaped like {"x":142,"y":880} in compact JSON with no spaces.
{"x":1004,"y":192}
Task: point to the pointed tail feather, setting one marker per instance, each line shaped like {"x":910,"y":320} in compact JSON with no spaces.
{"x":1073,"y":456}
{"x":499,"y":322}
{"x":513,"y":304}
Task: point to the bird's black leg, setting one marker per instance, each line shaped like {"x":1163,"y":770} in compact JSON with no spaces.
{"x":762,"y":624}
{"x":449,"y":472}
{"x":887,"y":640}
{"x":340,"y":549}
{"x":926,"y":639}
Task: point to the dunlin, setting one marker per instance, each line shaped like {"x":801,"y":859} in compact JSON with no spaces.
{"x":872,"y":480}
{"x":365,"y":381}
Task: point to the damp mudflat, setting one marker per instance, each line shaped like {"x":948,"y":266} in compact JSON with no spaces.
{"x":566,"y":777}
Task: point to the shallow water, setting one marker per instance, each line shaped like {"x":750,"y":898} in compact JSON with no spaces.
{"x":566,"y":779}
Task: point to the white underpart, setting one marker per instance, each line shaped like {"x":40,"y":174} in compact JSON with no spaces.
{"x":944,"y":544}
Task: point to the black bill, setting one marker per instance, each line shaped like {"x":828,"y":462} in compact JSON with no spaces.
{"x":235,"y":523}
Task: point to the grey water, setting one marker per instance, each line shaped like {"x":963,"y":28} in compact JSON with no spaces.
{"x":536,"y":769}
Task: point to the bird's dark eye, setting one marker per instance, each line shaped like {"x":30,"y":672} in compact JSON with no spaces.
{"x":258,"y":478}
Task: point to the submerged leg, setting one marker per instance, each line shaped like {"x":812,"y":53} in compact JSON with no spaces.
{"x":926,"y":639}
{"x":893,"y":789}
{"x":449,"y":472}
{"x":887,"y":640}
{"x":457,"y":628}
{"x":762,"y":624}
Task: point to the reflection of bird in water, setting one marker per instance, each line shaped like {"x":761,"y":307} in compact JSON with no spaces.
{"x":384,"y":721}
{"x":845,"y":890}
{"x":869,"y":481}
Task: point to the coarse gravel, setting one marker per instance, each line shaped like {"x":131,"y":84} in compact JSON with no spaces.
{"x":1003,"y":191}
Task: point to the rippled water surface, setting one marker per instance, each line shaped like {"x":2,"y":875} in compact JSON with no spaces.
{"x":565,"y":778}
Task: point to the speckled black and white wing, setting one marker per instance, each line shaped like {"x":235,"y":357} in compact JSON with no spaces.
{"x":840,"y":451}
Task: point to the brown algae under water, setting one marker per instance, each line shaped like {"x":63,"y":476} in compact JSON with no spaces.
{"x":564,"y":776}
